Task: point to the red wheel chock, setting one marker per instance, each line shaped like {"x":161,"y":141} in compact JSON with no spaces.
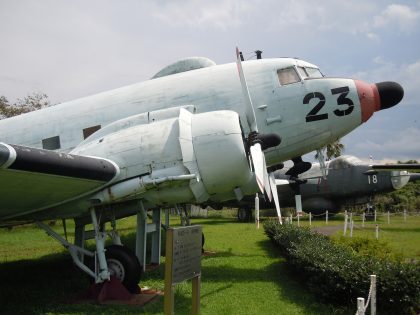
{"x":109,"y":290}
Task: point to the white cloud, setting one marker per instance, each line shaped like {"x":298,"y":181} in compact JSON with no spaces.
{"x":402,"y":16}
{"x":218,"y":14}
{"x":402,"y":145}
{"x":407,"y":74}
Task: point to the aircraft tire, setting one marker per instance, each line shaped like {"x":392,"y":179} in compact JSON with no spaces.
{"x":244,"y":214}
{"x":123,"y":264}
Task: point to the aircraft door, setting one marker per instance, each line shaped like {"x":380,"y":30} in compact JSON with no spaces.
{"x":288,"y":91}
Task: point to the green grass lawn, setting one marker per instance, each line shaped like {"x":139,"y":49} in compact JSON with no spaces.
{"x":245,"y":275}
{"x":403,"y":236}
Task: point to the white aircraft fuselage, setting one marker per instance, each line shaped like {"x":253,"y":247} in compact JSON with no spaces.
{"x":141,"y":128}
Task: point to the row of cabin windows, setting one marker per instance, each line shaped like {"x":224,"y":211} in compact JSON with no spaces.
{"x":54,"y":143}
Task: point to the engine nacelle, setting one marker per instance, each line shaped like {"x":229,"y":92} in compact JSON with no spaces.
{"x":158,"y":160}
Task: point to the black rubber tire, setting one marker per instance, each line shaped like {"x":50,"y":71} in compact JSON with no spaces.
{"x":123,"y":264}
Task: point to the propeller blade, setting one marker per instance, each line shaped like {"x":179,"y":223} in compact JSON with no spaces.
{"x":258,"y":159}
{"x":258,"y":162}
{"x":280,"y":182}
{"x":250,"y":114}
{"x":267,"y":183}
{"x":273,"y":188}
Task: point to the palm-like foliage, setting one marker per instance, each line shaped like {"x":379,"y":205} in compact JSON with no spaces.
{"x":333,"y":150}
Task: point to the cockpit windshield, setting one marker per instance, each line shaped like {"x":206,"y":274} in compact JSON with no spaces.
{"x":289,"y":75}
{"x":307,"y":72}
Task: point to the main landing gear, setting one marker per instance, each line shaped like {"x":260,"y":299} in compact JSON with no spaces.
{"x":115,"y":269}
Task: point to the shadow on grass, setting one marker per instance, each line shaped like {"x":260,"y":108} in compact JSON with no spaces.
{"x":292,"y":288}
{"x":51,"y":284}
{"x":46,"y":285}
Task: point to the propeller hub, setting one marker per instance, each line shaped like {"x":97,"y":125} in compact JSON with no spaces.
{"x":266,"y":141}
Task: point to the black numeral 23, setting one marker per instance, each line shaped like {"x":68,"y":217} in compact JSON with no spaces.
{"x":341,"y":100}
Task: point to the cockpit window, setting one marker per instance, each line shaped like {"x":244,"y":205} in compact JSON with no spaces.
{"x":303,"y":72}
{"x":314,"y":73}
{"x":288,"y":76}
{"x":306,"y":72}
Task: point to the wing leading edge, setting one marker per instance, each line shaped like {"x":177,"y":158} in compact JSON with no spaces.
{"x":35,"y":179}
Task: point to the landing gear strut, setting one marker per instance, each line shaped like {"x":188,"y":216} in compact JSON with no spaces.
{"x":115,"y":267}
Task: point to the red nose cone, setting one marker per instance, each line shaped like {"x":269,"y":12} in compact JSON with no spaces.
{"x":370,"y":101}
{"x":374,"y":97}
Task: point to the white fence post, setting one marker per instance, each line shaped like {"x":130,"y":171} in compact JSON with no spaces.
{"x":388,"y":218}
{"x":298,"y":218}
{"x":373,"y":295}
{"x":375,"y":215}
{"x":377,"y":231}
{"x":363,"y":219}
{"x":345,"y":225}
{"x":310,"y":218}
{"x":326,"y":217}
{"x":405,"y":215}
{"x":360,"y":306}
{"x":351,"y":228}
{"x":257,"y":211}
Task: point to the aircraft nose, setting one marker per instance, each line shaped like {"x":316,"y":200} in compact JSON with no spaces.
{"x":390,"y":93}
{"x":378,"y":96}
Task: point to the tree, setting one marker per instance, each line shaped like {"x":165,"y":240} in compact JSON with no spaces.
{"x":27,"y":104}
{"x":333,"y":150}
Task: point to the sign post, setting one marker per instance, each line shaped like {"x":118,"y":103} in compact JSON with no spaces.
{"x":183,"y":262}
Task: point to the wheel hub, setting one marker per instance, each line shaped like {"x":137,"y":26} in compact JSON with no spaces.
{"x":116,"y":269}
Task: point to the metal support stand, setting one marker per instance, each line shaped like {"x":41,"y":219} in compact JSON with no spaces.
{"x":143,"y":229}
{"x":79,"y":239}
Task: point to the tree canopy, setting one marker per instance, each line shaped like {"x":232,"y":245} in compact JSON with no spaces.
{"x":27,"y":104}
{"x":332,"y":150}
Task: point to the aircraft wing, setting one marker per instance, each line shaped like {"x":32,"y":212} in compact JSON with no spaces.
{"x":396,"y":167}
{"x":35,"y":179}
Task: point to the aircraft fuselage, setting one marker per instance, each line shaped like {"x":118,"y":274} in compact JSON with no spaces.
{"x":279,"y":109}
{"x":141,"y":127}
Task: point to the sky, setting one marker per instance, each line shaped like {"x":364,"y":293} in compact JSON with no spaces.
{"x":70,"y":49}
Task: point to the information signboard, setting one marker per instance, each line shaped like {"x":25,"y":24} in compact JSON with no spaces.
{"x":183,"y":262}
{"x":186,"y":255}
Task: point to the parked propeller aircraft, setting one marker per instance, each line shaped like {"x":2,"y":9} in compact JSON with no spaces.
{"x":184,"y":137}
{"x":348,"y":182}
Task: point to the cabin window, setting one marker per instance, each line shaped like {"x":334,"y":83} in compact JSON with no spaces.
{"x":52,"y":143}
{"x":90,"y":130}
{"x":288,"y":76}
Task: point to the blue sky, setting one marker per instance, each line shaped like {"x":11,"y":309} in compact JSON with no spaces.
{"x":69,"y":49}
